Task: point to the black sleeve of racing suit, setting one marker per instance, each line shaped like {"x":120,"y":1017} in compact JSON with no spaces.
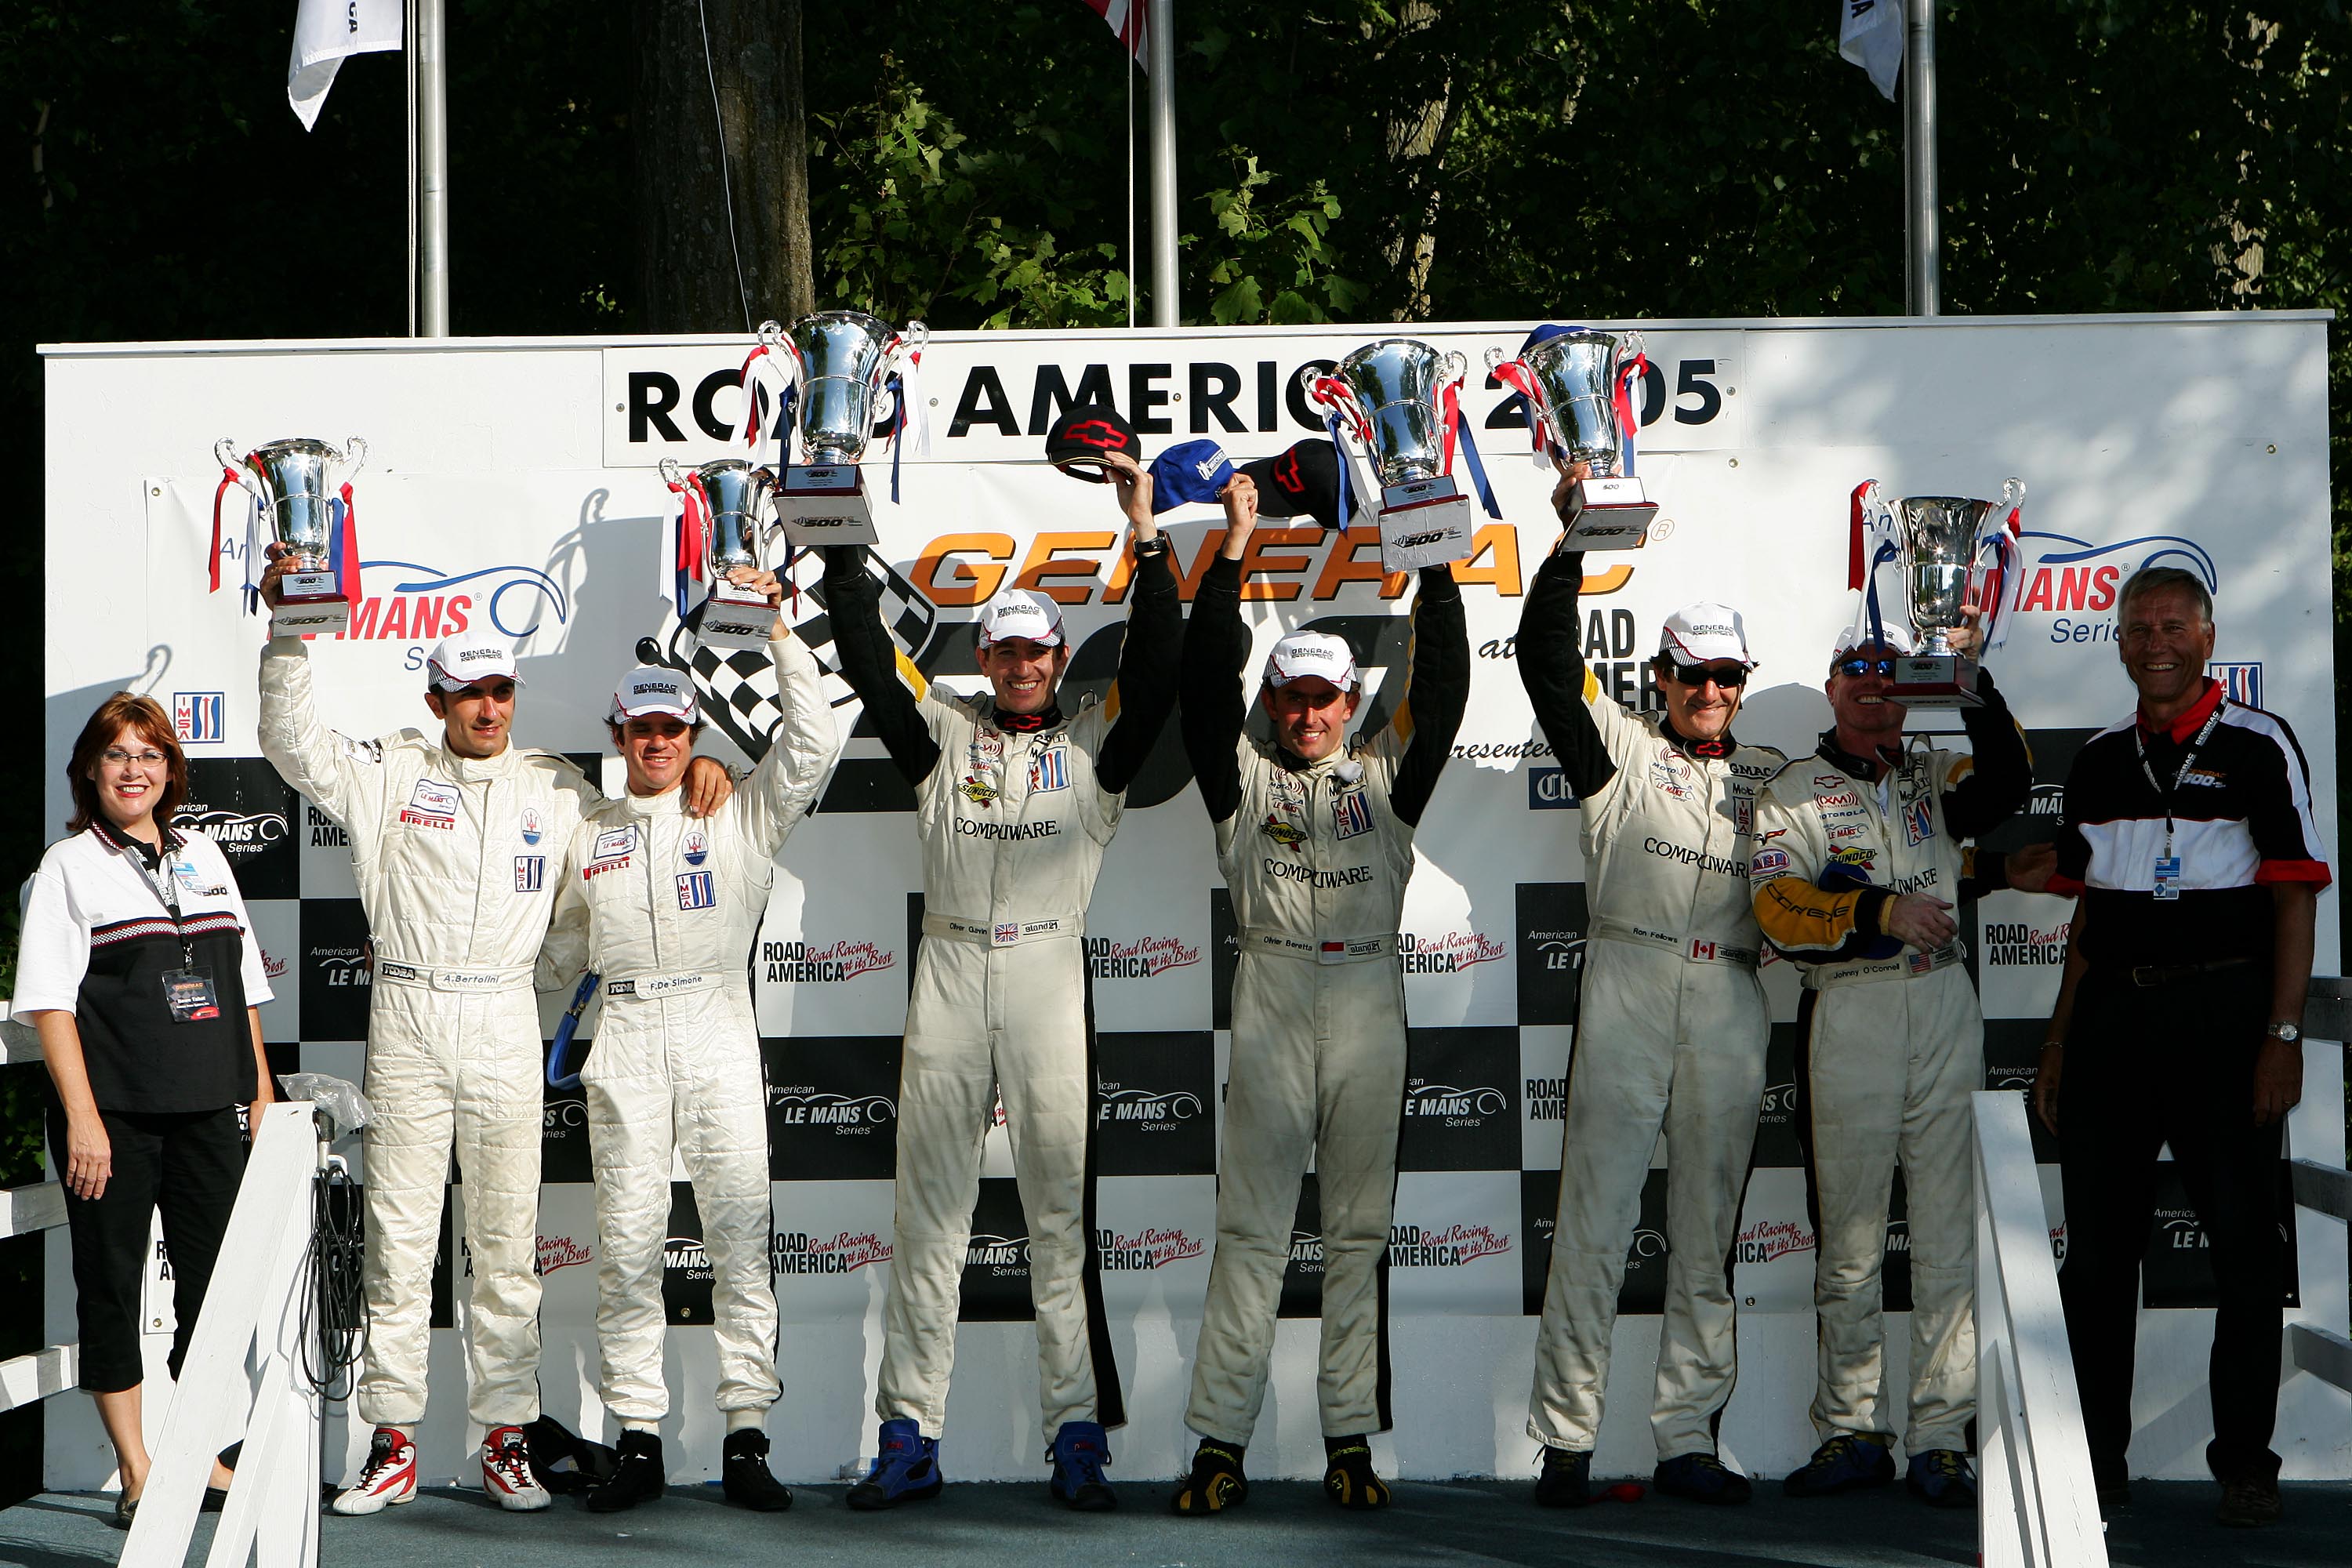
{"x":1982,"y":871}
{"x":1438,"y":692}
{"x":1215,"y":703}
{"x":2001,"y":781}
{"x":869,"y":662}
{"x":1147,"y":669}
{"x":1551,"y":667}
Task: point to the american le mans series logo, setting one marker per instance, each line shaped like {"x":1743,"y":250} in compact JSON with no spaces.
{"x":1456,"y":1105}
{"x":805,"y":1105}
{"x":239,"y":834}
{"x":1151,"y":1111}
{"x":843,"y":1252}
{"x":431,"y":804}
{"x":997,"y":1254}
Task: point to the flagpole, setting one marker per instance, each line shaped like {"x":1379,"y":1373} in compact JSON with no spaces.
{"x":1161,"y":34}
{"x":1128,"y":70}
{"x":1923,"y":212}
{"x":431,"y":195}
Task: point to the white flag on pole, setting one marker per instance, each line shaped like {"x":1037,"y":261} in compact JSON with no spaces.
{"x":325,"y":32}
{"x":1870,"y":34}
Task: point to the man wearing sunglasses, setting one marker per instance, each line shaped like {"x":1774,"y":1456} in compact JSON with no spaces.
{"x":1671,"y":1024}
{"x":1856,"y":866}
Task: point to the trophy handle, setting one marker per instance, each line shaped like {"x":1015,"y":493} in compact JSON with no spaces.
{"x":225,"y":450}
{"x":1458,"y":365}
{"x":914,"y":339}
{"x":1634,"y":344}
{"x":770,"y":334}
{"x":355,"y":451}
{"x":1495,"y":357}
{"x":671,"y":472}
{"x":2012,"y":493}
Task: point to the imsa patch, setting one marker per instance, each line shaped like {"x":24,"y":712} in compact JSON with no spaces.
{"x":696,"y":891}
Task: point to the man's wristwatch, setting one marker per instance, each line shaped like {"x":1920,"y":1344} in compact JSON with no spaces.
{"x":2289,"y":1033}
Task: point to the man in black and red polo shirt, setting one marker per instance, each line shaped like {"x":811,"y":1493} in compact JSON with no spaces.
{"x":2190,"y":841}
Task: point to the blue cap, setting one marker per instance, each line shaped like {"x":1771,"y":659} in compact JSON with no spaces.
{"x":1189,"y":472}
{"x":1545,"y":333}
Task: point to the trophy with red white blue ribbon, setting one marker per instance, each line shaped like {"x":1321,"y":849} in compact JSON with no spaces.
{"x":724,"y":510}
{"x":1952,"y":552}
{"x":1578,"y":388}
{"x":298,"y":501}
{"x":1400,"y":400}
{"x":826,"y":374}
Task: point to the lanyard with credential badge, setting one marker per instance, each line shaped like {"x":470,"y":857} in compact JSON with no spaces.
{"x":187,"y":990}
{"x":2168,"y":865}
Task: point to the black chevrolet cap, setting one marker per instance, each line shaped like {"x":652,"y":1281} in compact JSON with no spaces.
{"x":1078,"y":439}
{"x":1302,"y":482}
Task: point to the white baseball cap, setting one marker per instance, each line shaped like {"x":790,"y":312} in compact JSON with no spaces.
{"x":1705,"y":633}
{"x":1895,"y":638}
{"x":652,"y":689}
{"x":1016,"y":613}
{"x":475,"y":654}
{"x":1319,"y":654}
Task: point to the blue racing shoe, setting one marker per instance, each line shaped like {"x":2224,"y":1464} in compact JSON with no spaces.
{"x":1847,"y":1462}
{"x":906,"y":1469}
{"x":1079,"y":1453}
{"x":1939,"y":1477}
{"x":1702,"y":1478}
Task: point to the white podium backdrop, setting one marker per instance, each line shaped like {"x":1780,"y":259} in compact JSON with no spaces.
{"x":513,"y":482}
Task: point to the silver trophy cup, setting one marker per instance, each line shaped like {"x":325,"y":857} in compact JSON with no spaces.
{"x":1575,"y":375}
{"x":841,"y":360}
{"x":1945,"y":544}
{"x":297,"y":483}
{"x":1391,"y":391}
{"x":741,"y":506}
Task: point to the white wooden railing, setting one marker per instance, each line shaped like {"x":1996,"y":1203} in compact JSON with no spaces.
{"x":33,"y":1207}
{"x":2036,"y":1504}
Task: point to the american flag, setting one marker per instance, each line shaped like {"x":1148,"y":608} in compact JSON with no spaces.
{"x":1126,"y":19}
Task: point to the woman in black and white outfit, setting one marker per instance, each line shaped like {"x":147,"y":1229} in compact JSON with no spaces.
{"x":140,"y":971}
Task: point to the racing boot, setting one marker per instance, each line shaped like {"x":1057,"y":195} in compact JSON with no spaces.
{"x":1847,"y":1462}
{"x":1567,"y":1478}
{"x":638,"y":1478}
{"x":388,"y":1478}
{"x":506,"y":1471}
{"x":905,"y":1469}
{"x":1702,"y":1478}
{"x":1939,"y":1477}
{"x":1216,"y":1482}
{"x":1347,"y":1477}
{"x":745,"y":1476}
{"x":1080,"y":1451}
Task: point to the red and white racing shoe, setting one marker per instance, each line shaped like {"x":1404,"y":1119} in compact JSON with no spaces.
{"x":389,"y":1477}
{"x":506,"y":1471}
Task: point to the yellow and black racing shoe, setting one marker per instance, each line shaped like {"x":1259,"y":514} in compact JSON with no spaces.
{"x":1216,"y":1482}
{"x":1347,"y":1477}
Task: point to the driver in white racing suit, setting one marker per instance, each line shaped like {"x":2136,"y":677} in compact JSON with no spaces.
{"x":1671,"y":1026}
{"x":1015,"y":801}
{"x":450,"y":833}
{"x":1314,"y":836}
{"x":663,"y":909}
